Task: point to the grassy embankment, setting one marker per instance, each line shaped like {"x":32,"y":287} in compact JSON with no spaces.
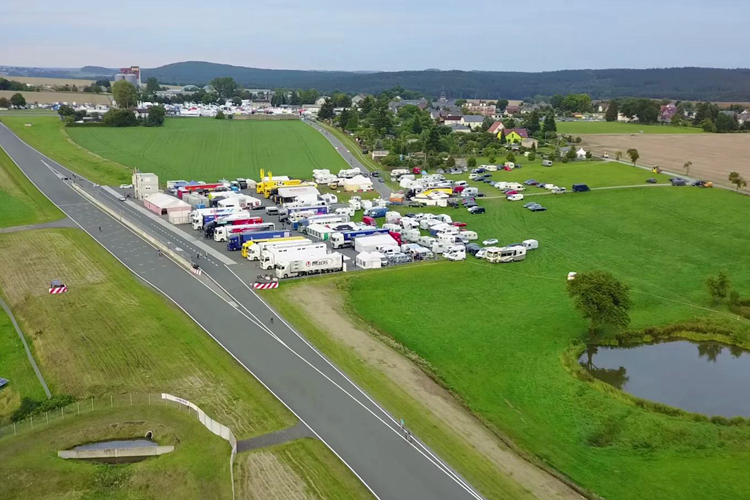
{"x":48,"y":135}
{"x":198,"y":468}
{"x":497,"y":334}
{"x":621,"y":128}
{"x":20,"y":202}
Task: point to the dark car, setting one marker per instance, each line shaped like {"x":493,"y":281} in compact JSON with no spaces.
{"x":537,"y":208}
{"x":472,"y":248}
{"x":380,"y":179}
{"x":651,"y":180}
{"x":580,"y":188}
{"x":470,"y":205}
{"x":676,"y":181}
{"x":375,"y":174}
{"x":476,"y":210}
{"x":467,"y":200}
{"x":487,"y":180}
{"x":453,"y":203}
{"x":531,"y":182}
{"x":480,"y":195}
{"x":479,"y":170}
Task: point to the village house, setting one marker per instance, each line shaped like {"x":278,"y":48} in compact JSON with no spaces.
{"x":496,"y":128}
{"x":666,"y":112}
{"x":515,"y":135}
{"x":472,"y":121}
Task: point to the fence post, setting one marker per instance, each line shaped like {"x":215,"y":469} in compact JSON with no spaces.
{"x":111,"y":403}
{"x":78,"y":405}
{"x":14,"y":428}
{"x":47,"y":413}
{"x":62,"y":413}
{"x":131,"y":399}
{"x":92,"y":403}
{"x":149,"y":394}
{"x":32,"y":421}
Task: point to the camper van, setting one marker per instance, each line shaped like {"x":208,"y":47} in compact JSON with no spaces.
{"x":440,"y":247}
{"x":497,"y":255}
{"x":546,"y":163}
{"x":455,"y":253}
{"x":426,"y":241}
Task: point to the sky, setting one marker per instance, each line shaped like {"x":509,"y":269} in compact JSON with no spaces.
{"x":389,"y":35}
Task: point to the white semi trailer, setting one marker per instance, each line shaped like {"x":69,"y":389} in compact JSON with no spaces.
{"x":328,"y":263}
{"x":284,"y":253}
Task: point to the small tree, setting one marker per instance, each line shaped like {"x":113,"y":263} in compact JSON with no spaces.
{"x":588,"y":155}
{"x":634,"y":155}
{"x":571,"y":154}
{"x":4,"y":102}
{"x":687,"y":166}
{"x":236,"y":101}
{"x":736,"y":179}
{"x":472,"y":162}
{"x":17,"y":100}
{"x":718,"y":286}
{"x":532,"y":156}
{"x":450,"y":162}
{"x":618,"y":155}
{"x":511,"y":158}
{"x":601,"y":299}
{"x":612,"y":110}
{"x":220,"y":115}
{"x":155,"y":116}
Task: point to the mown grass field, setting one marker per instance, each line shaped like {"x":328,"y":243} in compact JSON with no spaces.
{"x":496,"y":334}
{"x":621,"y":128}
{"x":110,"y":334}
{"x":298,"y":470}
{"x":198,"y":468}
{"x":208,"y":149}
{"x":20,"y":202}
{"x":48,"y":136}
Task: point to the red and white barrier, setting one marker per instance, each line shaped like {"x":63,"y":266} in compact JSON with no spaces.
{"x":58,"y":289}
{"x":198,"y":271}
{"x":265,"y":286}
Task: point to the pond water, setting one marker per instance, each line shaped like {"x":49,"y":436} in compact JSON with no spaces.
{"x":106,"y":445}
{"x":702,"y":377}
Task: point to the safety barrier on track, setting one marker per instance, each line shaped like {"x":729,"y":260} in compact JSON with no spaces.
{"x":58,"y":289}
{"x":265,"y":286}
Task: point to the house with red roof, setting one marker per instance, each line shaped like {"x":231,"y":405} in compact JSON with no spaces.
{"x":496,"y":128}
{"x":666,"y":112}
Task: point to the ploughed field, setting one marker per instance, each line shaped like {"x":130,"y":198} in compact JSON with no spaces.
{"x":582,"y":127}
{"x":714,"y":156}
{"x":497,"y":334}
{"x":209,"y":149}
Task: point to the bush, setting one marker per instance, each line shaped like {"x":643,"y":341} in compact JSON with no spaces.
{"x":532,"y":156}
{"x":155,"y":116}
{"x":220,"y":115}
{"x":120,"y":118}
{"x":31,"y":407}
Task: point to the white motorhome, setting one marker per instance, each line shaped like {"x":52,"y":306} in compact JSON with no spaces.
{"x":440,"y":246}
{"x":469,"y":235}
{"x":272,"y":256}
{"x":531,"y":244}
{"x":410,"y":235}
{"x":497,"y":255}
{"x":348,"y":211}
{"x":455,"y":253}
{"x":426,"y":241}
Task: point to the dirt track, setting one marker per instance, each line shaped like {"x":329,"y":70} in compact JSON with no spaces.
{"x":713,"y":155}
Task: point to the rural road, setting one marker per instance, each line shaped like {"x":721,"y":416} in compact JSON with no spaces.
{"x":380,"y":187}
{"x":361,"y":433}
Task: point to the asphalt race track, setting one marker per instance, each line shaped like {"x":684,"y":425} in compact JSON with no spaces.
{"x":362,"y":434}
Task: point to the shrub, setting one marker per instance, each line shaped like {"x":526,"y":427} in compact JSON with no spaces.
{"x":120,"y":118}
{"x":31,"y":407}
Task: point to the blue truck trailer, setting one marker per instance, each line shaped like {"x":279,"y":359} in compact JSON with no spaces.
{"x":236,"y":240}
{"x":346,"y":238}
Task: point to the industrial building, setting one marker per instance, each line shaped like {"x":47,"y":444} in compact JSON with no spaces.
{"x":144,"y":185}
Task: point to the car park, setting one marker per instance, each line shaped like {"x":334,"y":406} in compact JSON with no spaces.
{"x":490,"y":242}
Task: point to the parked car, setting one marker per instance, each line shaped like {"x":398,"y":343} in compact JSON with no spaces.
{"x":676,"y":181}
{"x":580,"y":188}
{"x":527,"y":205}
{"x":531,"y":182}
{"x":490,"y":242}
{"x":480,"y":253}
{"x":471,"y":205}
{"x":380,"y":179}
{"x":558,"y":190}
{"x":537,"y":208}
{"x":514,"y":197}
{"x":651,"y":180}
{"x":479,"y":195}
{"x":472,"y":248}
{"x":703,"y":184}
{"x":375,"y":174}
{"x":476,"y":210}
{"x":509,"y":192}
{"x":126,"y":186}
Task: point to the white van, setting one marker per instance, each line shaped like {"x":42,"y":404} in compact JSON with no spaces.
{"x":514,"y":197}
{"x":461,"y":183}
{"x":490,"y":168}
{"x":329,"y":198}
{"x":445,"y":218}
{"x":516,"y":186}
{"x":272,"y":210}
{"x":455,"y":253}
{"x":558,"y":190}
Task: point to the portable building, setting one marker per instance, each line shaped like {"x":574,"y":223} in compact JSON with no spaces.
{"x":145,"y":185}
{"x":319,"y":231}
{"x":372,"y":243}
{"x":163,"y":204}
{"x":304,"y":195}
{"x":367,"y":260}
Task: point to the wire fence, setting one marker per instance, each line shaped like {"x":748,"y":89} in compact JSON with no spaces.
{"x":87,"y":406}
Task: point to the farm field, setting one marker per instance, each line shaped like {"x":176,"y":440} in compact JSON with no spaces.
{"x":86,"y":347}
{"x":48,"y":135}
{"x":299,"y":470}
{"x":713,"y":155}
{"x":583,"y":127}
{"x":35,"y":80}
{"x":20,"y":202}
{"x":197,"y":468}
{"x":208,"y":149}
{"x":53,"y":97}
{"x":505,"y":360}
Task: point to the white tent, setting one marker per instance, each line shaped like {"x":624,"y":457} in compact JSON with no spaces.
{"x":371,"y":243}
{"x":581,"y":154}
{"x":358,"y":183}
{"x":367,"y":260}
{"x":163,"y":204}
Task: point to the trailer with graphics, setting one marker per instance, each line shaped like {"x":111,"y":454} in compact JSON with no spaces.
{"x":224,"y":232}
{"x":235,"y":241}
{"x":255,"y":248}
{"x":203,"y":216}
{"x":278,"y":254}
{"x":344,"y":239}
{"x":234,"y":219}
{"x":329,"y":263}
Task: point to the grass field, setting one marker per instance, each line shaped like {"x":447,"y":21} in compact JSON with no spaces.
{"x":48,"y":135}
{"x":85,"y":346}
{"x":198,"y":468}
{"x":299,"y":470}
{"x":20,"y":202}
{"x":621,"y":128}
{"x":495,"y":334}
{"x":208,"y":149}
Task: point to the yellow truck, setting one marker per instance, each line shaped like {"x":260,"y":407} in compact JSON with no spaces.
{"x":260,"y":187}
{"x":246,"y":246}
{"x":277,"y":183}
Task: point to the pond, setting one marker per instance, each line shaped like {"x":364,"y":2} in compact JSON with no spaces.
{"x":701,"y":377}
{"x":108,"y":445}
